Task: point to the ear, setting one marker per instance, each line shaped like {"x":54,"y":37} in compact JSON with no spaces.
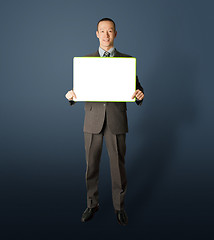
{"x":97,"y":34}
{"x":115,"y":34}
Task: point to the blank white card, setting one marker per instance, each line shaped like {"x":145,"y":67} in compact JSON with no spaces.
{"x":104,"y":79}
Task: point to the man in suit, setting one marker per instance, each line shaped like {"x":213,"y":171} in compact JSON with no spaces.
{"x":108,"y":120}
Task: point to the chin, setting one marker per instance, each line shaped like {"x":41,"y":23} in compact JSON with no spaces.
{"x":106,"y":45}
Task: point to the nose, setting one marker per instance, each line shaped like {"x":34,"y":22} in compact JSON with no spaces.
{"x":106,"y":34}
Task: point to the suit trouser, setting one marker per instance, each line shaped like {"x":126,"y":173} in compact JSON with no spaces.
{"x":116,"y":147}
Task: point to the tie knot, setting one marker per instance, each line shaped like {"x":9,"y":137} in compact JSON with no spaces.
{"x":106,"y":54}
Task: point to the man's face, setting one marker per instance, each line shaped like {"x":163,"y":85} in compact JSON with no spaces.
{"x":106,"y":34}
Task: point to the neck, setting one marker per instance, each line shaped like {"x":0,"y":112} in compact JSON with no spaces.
{"x":106,"y":48}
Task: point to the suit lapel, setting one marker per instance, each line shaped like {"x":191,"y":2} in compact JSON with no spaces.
{"x":118,"y":54}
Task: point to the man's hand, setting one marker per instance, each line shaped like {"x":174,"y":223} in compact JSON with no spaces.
{"x":138,"y":94}
{"x":70,"y":95}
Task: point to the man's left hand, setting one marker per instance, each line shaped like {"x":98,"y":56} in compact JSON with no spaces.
{"x":138,"y":94}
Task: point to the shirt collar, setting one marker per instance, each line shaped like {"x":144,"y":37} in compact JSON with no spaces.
{"x":111,"y":51}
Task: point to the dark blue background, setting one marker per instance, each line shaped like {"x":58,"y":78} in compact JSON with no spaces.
{"x":170,"y":141}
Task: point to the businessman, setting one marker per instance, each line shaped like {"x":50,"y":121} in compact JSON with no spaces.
{"x":106,"y":120}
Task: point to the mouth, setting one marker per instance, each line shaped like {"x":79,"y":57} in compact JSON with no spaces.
{"x":106,"y":40}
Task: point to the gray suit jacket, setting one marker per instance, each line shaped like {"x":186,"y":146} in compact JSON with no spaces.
{"x":115,"y":112}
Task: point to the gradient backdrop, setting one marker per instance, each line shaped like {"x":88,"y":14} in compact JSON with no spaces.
{"x":170,"y":141}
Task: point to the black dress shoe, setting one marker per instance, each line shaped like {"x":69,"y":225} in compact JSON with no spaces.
{"x":89,"y":213}
{"x":122,"y":217}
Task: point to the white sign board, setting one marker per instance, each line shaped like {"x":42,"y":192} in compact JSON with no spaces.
{"x":104,"y":79}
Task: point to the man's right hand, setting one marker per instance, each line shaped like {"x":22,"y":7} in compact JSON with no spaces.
{"x":70,"y":95}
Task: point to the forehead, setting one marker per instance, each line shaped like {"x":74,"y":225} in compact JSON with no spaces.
{"x":106,"y":24}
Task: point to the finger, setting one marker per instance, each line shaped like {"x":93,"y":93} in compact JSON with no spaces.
{"x":69,"y":96}
{"x":140,"y":96}
{"x":140,"y":92}
{"x":134,"y":94}
{"x":74,"y":95}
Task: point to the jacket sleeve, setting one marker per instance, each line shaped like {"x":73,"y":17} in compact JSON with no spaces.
{"x":138,"y":86}
{"x":71,"y":102}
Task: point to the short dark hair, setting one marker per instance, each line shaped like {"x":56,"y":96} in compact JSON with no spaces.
{"x":107,"y":19}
